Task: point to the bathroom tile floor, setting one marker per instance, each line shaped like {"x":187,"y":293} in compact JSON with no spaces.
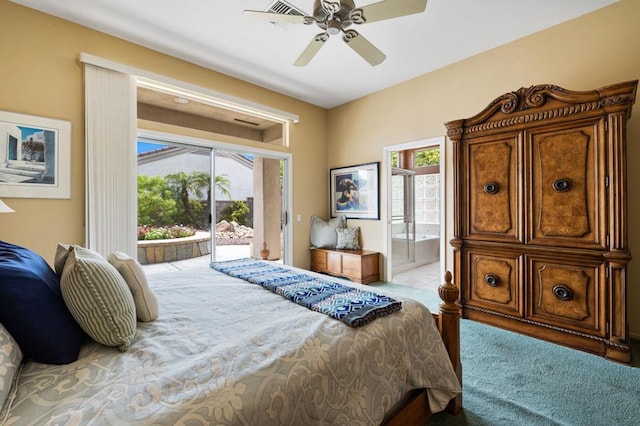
{"x":425,"y":276}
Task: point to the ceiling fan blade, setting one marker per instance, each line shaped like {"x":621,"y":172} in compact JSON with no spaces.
{"x":312,"y":48}
{"x":388,"y":9}
{"x":363,"y":47}
{"x":276,"y":17}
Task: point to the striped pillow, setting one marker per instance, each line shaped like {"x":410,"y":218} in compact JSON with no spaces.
{"x":98,"y":298}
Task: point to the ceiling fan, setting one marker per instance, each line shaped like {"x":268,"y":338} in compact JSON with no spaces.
{"x":335,"y":16}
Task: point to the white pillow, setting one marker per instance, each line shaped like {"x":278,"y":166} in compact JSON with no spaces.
{"x":348,"y":238}
{"x":98,"y":298}
{"x":62,"y":252}
{"x":323,"y":233}
{"x":10,"y":359}
{"x":143,"y":297}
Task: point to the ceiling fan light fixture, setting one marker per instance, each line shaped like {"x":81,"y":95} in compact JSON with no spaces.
{"x":333,"y":27}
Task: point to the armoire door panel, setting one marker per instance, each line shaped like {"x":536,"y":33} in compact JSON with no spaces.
{"x":567,"y":293}
{"x":563,"y":167}
{"x":566,"y":166}
{"x":494,"y":282}
{"x":493,"y":188}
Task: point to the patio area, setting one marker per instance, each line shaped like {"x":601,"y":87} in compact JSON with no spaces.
{"x":227,"y":252}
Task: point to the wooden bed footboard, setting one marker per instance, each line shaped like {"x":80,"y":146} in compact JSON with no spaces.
{"x":414,"y":409}
{"x":449,"y":325}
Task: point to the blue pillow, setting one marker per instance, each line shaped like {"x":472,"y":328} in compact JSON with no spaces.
{"x":32,"y":309}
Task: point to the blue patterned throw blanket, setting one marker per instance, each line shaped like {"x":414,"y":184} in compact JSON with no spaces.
{"x":352,"y":306}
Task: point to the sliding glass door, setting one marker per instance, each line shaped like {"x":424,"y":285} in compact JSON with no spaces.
{"x":234,"y":198}
{"x":403,"y":244}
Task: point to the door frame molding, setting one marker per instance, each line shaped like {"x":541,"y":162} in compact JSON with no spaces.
{"x":386,"y":194}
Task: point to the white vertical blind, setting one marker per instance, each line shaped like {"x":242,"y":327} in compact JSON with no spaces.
{"x":111,"y":210}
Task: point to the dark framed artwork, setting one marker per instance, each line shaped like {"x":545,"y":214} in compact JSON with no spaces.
{"x":355,"y":191}
{"x":35,"y":157}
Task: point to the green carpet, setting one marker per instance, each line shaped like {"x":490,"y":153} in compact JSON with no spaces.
{"x":511,"y":379}
{"x":428,"y":298}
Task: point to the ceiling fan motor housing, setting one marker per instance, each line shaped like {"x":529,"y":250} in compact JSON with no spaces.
{"x":333,"y":21}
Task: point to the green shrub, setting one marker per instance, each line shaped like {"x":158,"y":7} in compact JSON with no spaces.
{"x":237,"y":212}
{"x":157,"y":205}
{"x":157,"y":234}
{"x":164,"y":233}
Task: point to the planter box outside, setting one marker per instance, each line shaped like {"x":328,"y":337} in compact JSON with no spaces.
{"x":160,"y":251}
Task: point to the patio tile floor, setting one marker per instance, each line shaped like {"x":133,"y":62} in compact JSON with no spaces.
{"x":222,"y":253}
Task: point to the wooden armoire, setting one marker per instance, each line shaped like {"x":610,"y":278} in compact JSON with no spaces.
{"x":540,"y":215}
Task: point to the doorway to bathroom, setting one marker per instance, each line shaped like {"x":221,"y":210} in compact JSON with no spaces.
{"x":415,"y":224}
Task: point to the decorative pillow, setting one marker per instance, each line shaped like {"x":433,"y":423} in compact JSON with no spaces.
{"x":99,"y":298}
{"x":32,"y":309}
{"x":62,"y":252}
{"x":323,"y":233}
{"x":143,"y":297}
{"x":10,"y":359}
{"x":348,"y":238}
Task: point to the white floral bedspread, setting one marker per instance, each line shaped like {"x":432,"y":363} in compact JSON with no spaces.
{"x":227,"y":352}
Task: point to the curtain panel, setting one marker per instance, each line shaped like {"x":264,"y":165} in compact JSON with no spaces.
{"x":110,"y":164}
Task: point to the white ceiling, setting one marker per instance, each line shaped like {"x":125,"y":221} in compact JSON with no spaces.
{"x":215,"y":34}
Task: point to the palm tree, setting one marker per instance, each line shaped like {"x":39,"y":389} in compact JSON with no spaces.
{"x":194,"y":184}
{"x":184,"y":185}
{"x":222,"y":184}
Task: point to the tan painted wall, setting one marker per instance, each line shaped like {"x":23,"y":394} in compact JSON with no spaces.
{"x":591,"y":51}
{"x":40,"y":75}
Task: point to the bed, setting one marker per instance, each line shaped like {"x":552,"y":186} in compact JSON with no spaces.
{"x":226,"y":351}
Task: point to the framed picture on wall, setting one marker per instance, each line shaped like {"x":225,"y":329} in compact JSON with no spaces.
{"x":35,"y":157}
{"x":355,"y":191}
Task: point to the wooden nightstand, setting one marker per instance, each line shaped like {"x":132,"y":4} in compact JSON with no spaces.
{"x":361,"y":266}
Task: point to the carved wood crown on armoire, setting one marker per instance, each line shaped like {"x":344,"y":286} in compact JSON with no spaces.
{"x":540,"y":215}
